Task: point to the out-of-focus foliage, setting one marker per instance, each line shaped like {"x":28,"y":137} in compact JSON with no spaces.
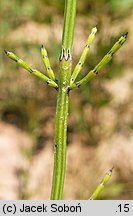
{"x":95,"y":116}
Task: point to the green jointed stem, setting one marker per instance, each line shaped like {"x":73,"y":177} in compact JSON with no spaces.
{"x":101,"y":64}
{"x":61,"y":129}
{"x":34,"y":72}
{"x":69,"y":22}
{"x":84,"y":54}
{"x":47,"y":63}
{"x":100,"y":187}
{"x":63,"y":101}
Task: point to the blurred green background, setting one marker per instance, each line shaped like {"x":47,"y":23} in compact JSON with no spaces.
{"x":100,"y":127}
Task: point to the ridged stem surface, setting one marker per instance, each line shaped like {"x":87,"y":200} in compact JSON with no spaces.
{"x":60,"y":134}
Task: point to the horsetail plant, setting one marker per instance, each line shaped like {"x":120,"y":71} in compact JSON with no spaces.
{"x":66,"y":83}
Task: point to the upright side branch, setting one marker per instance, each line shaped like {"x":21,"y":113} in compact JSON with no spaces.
{"x":47,"y":63}
{"x":83,"y":57}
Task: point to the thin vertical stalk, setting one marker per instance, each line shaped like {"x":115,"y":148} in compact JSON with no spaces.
{"x":60,"y":134}
{"x":69,"y":22}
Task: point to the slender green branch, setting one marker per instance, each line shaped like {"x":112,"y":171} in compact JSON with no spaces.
{"x":47,"y":63}
{"x":63,"y":101}
{"x":83,"y":57}
{"x":34,"y":72}
{"x":101,"y":64}
{"x":101,"y":186}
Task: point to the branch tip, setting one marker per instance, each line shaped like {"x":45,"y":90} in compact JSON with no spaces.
{"x":125,"y":35}
{"x":95,"y":29}
{"x":111,"y":170}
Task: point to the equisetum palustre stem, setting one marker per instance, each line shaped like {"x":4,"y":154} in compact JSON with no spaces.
{"x":61,"y":124}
